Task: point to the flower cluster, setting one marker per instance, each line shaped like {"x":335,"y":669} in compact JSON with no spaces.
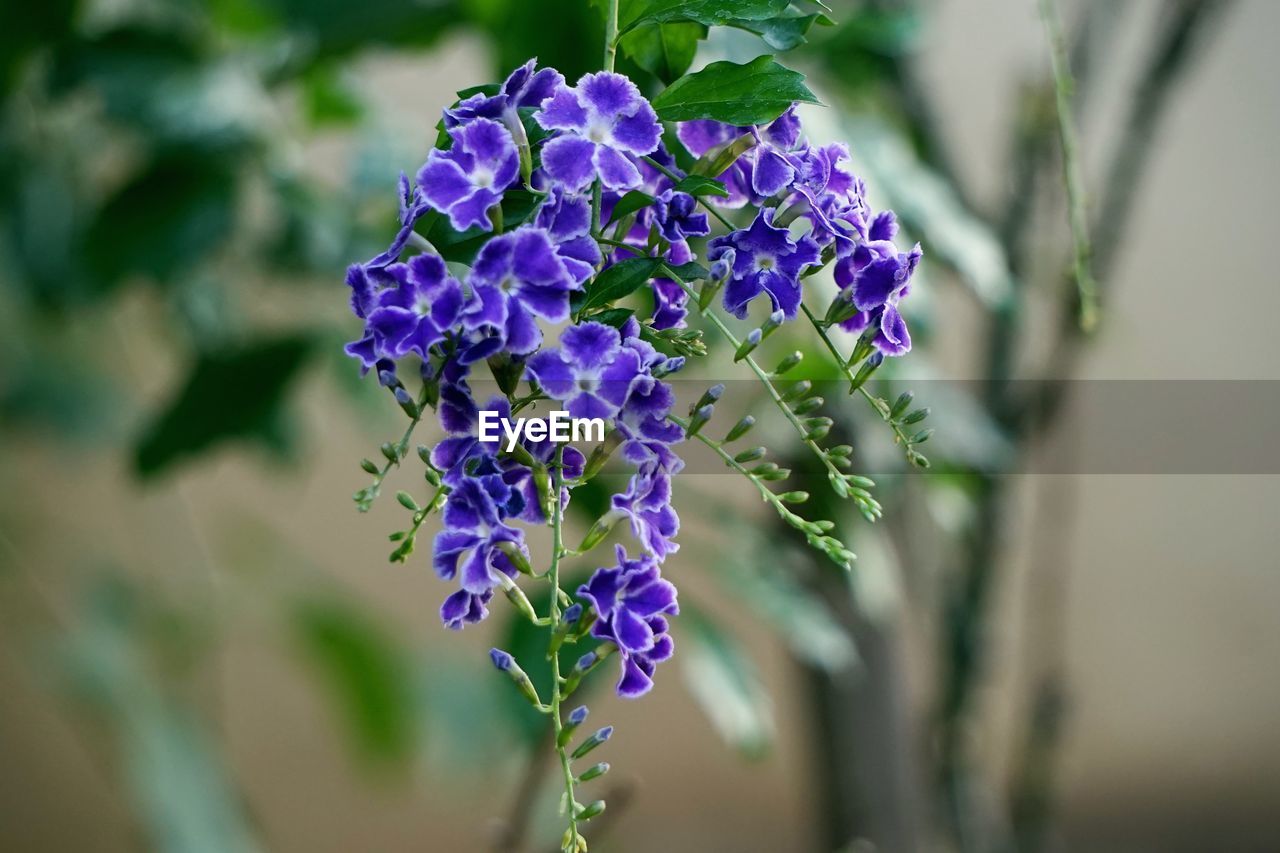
{"x":518,"y":242}
{"x":602,"y":134}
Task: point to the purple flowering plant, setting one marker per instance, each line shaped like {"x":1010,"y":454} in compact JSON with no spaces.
{"x":546,"y":212}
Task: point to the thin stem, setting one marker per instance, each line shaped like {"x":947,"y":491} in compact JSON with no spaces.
{"x":1071,"y":172}
{"x":848,"y":374}
{"x":557,"y":687}
{"x":834,"y":472}
{"x":610,"y":34}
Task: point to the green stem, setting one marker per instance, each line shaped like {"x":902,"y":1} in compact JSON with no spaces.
{"x":834,"y":472}
{"x":1071,"y":172}
{"x":557,"y":550}
{"x":848,"y":374}
{"x":610,"y":34}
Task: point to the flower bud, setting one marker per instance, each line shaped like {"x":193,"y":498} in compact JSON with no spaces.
{"x":900,"y":405}
{"x":368,"y":466}
{"x":808,"y":406}
{"x":795,"y":392}
{"x":699,"y":420}
{"x":599,"y":530}
{"x":709,"y":396}
{"x":406,"y":500}
{"x":750,"y":455}
{"x":591,"y":810}
{"x":771,"y":324}
{"x":788,"y":363}
{"x":741,"y":428}
{"x":389,"y":451}
{"x":915,"y":417}
{"x":576,"y":717}
{"x":595,"y":771}
{"x":406,"y":402}
{"x":592,"y":742}
{"x":748,"y":346}
{"x":506,"y":663}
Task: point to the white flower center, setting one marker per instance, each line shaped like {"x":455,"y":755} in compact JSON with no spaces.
{"x":482,"y":178}
{"x":765,"y":262}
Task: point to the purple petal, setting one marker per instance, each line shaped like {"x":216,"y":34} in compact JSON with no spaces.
{"x":638,"y":134}
{"x":772,"y":173}
{"x":634,"y":681}
{"x":875,"y":283}
{"x":569,"y":160}
{"x":609,"y":94}
{"x":783,"y":291}
{"x":473,"y":211}
{"x":590,"y":345}
{"x":523,"y":334}
{"x":562,"y":111}
{"x":443,"y":182}
{"x":633,"y":633}
{"x":616,"y":171}
{"x":550,"y":370}
{"x":893,"y":338}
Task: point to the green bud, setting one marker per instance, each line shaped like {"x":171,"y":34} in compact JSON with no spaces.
{"x":591,"y":810}
{"x":369,"y":467}
{"x":389,"y":451}
{"x":407,"y":501}
{"x":424,"y":453}
{"x":793,"y":497}
{"x":922,"y":436}
{"x":915,"y":417}
{"x":517,"y":558}
{"x":801,"y":388}
{"x":900,"y":405}
{"x":518,"y":599}
{"x":741,"y":428}
{"x":592,"y":742}
{"x":707,"y":294}
{"x":698,"y":420}
{"x":598,"y":531}
{"x":748,"y":346}
{"x":808,"y":406}
{"x":750,"y":455}
{"x":599,"y":456}
{"x":788,"y":363}
{"x":432,"y":476}
{"x":595,"y":771}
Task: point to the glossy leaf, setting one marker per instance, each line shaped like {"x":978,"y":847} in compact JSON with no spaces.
{"x":630,"y":203}
{"x":664,"y":50}
{"x":754,"y":93}
{"x":784,"y":32}
{"x":618,"y":281}
{"x":709,"y":12}
{"x":701,"y":185}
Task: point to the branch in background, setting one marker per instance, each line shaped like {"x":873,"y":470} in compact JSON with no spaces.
{"x":1188,"y":24}
{"x":1072,"y":176}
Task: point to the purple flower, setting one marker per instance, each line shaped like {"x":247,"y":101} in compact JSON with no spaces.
{"x":591,"y":373}
{"x":834,"y":198}
{"x":469,"y":178}
{"x":517,"y":276}
{"x":567,"y":218}
{"x":646,"y":504}
{"x":416,"y":311}
{"x":630,"y":600}
{"x":412,"y":206}
{"x":876,"y":277}
{"x":473,"y":530}
{"x":766,"y":170}
{"x":765,"y":259}
{"x":677,"y":216}
{"x":525,"y":87}
{"x":605,"y":122}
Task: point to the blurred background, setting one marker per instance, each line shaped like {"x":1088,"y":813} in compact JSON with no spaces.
{"x":1055,"y":640}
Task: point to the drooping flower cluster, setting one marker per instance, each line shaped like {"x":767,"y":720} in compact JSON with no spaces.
{"x":508,"y":281}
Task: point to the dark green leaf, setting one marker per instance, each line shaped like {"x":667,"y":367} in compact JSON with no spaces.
{"x":664,"y":50}
{"x":616,"y":317}
{"x":700,"y":185}
{"x":366,"y":675}
{"x":231,"y":394}
{"x":754,"y":93}
{"x":781,"y":33}
{"x":162,"y":222}
{"x":691,"y":271}
{"x":621,"y":279}
{"x":630,"y":203}
{"x":710,"y":12}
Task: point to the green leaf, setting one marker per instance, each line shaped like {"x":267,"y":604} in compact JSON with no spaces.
{"x":754,"y":93}
{"x":230,"y":394}
{"x":690,"y":271}
{"x":709,"y":12}
{"x":630,"y":203}
{"x":366,"y":674}
{"x":664,"y":50}
{"x":781,"y":33}
{"x":162,"y":222}
{"x":724,"y":684}
{"x":616,"y":317}
{"x":701,"y":185}
{"x":620,"y":280}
